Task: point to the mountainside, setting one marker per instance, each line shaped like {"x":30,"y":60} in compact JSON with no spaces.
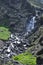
{"x":21,"y":32}
{"x":14,"y":12}
{"x":36,"y":3}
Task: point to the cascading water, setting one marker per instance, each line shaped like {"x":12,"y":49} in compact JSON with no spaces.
{"x":31,"y":24}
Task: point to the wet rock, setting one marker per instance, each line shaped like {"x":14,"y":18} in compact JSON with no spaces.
{"x":39,"y":61}
{"x":8,"y":61}
{"x":1,"y":44}
{"x":41,"y":41}
{"x":17,"y":12}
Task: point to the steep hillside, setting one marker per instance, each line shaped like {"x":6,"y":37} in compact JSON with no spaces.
{"x":36,"y":3}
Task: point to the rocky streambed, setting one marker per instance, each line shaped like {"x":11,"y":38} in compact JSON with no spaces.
{"x":24,"y":24}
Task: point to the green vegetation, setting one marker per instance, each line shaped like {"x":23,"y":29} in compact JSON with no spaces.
{"x":25,"y":58}
{"x":5,"y":22}
{"x":4,"y":33}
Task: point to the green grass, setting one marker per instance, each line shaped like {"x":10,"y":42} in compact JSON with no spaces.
{"x":4,"y":33}
{"x":25,"y":58}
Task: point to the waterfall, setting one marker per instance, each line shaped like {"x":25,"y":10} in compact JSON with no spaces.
{"x":31,"y":24}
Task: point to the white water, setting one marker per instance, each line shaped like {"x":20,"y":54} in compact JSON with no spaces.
{"x":31,"y":24}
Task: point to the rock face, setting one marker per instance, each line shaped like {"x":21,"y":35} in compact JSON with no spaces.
{"x":15,"y":14}
{"x":7,"y":61}
{"x":1,"y":44}
{"x":16,"y":11}
{"x":36,"y":3}
{"x":39,"y":61}
{"x":40,"y":53}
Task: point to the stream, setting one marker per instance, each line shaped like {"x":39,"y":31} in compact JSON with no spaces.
{"x":16,"y":45}
{"x":31,"y":24}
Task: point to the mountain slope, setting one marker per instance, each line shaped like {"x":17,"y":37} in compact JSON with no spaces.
{"x":36,"y":3}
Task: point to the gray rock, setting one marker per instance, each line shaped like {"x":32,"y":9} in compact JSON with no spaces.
{"x":1,"y":44}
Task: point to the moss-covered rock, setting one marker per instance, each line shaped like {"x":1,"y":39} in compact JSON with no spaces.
{"x":4,"y":33}
{"x":25,"y":58}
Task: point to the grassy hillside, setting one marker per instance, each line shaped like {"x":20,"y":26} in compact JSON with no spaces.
{"x":25,"y":58}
